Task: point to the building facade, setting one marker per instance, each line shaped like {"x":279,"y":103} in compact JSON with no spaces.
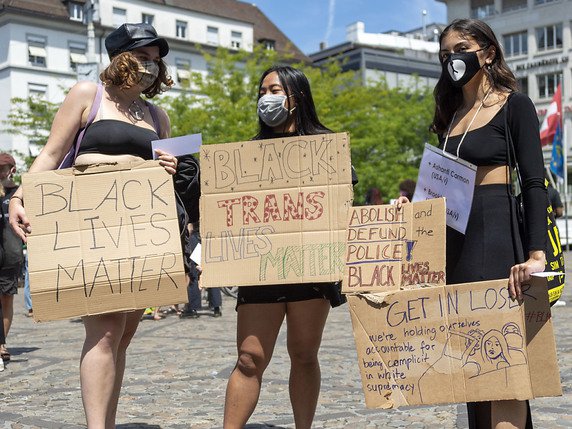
{"x":401,"y":59}
{"x":536,"y":37}
{"x":47,"y":47}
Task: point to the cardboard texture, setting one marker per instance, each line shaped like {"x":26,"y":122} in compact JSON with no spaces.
{"x":275,"y":211}
{"x":104,"y":238}
{"x":455,"y":343}
{"x":420,"y":341}
{"x":388,"y":248}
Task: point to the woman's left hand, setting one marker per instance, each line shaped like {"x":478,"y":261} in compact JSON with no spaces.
{"x":520,"y":273}
{"x":168,"y":161}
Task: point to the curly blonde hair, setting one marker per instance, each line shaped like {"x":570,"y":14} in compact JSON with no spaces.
{"x":123,"y":72}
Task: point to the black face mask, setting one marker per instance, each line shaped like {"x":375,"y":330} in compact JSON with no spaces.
{"x":461,"y":67}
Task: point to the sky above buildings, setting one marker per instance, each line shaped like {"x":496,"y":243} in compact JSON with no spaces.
{"x":309,"y":22}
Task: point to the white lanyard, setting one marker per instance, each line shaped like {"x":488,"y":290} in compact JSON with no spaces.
{"x":466,"y":131}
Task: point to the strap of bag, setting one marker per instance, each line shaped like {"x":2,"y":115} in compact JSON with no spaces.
{"x":155,"y":117}
{"x":92,"y":114}
{"x":510,"y":151}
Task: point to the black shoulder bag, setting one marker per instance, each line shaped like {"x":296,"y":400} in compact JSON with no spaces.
{"x":554,"y":255}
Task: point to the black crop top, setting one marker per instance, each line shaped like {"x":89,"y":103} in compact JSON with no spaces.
{"x":114,"y":137}
{"x":487,"y":146}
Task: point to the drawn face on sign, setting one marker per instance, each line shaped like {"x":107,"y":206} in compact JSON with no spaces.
{"x":493,"y":348}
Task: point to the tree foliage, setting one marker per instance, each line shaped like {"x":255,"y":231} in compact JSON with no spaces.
{"x":31,"y":117}
{"x":387,"y":127}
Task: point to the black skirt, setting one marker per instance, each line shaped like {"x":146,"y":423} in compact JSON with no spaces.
{"x":490,"y":247}
{"x":491,"y":244}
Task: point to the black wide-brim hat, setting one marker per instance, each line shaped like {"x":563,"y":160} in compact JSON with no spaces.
{"x":132,"y":36}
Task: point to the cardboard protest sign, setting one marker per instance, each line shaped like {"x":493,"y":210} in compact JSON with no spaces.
{"x":388,"y":248}
{"x":275,"y":211}
{"x":455,"y":343}
{"x":104,"y":238}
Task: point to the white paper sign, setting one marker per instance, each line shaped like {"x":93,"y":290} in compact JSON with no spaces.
{"x":196,"y":254}
{"x":178,"y":146}
{"x":454,"y":179}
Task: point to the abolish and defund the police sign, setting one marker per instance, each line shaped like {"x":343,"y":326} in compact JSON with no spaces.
{"x":103,"y":239}
{"x":274,"y":211}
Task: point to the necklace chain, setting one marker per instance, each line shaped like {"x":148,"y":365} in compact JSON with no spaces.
{"x":466,"y":130}
{"x":135,"y":111}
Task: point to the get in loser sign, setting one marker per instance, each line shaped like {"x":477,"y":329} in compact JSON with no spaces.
{"x":103,"y":239}
{"x":274,"y":211}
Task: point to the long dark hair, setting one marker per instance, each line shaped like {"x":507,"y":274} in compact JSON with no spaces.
{"x":296,"y":85}
{"x":449,"y":98}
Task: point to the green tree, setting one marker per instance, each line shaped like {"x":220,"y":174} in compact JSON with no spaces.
{"x":31,"y":117}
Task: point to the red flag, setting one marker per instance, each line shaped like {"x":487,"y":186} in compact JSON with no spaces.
{"x":552,"y":118}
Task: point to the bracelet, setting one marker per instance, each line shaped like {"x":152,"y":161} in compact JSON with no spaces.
{"x":18,"y":198}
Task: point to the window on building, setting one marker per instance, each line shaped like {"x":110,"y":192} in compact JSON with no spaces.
{"x":147,"y":19}
{"x":508,"y":5}
{"x":37,"y":90}
{"x":76,"y":11}
{"x":547,"y":84}
{"x":183,"y":71}
{"x":212,"y":36}
{"x":269,"y":45}
{"x":77,"y":54}
{"x":515,"y":44}
{"x":119,"y":16}
{"x":522,"y":84}
{"x":37,"y":51}
{"x":549,"y":37}
{"x":181,"y":29}
{"x":544,"y":1}
{"x":235,"y":39}
{"x":482,"y":8}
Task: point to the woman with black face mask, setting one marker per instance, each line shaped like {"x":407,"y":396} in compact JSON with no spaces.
{"x":285,"y":108}
{"x":477,"y":108}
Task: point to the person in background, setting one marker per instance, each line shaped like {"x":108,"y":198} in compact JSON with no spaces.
{"x":13,"y":252}
{"x":407,"y":189}
{"x":554,"y":198}
{"x":191,"y":310}
{"x":373,"y":197}
{"x":122,"y":132}
{"x":285,"y":109}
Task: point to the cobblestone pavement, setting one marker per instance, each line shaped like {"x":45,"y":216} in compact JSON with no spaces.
{"x":178,"y":369}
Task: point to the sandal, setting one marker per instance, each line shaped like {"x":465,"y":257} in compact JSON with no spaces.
{"x":5,"y":354}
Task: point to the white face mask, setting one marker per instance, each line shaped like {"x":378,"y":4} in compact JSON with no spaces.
{"x":272,"y":109}
{"x":148,"y":72}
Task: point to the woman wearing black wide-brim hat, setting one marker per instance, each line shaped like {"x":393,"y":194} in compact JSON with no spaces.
{"x":123,"y":127}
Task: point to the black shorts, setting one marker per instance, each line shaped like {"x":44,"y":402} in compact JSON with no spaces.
{"x":9,"y":281}
{"x":290,"y":293}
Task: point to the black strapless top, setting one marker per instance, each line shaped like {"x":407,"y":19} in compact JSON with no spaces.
{"x":114,"y":137}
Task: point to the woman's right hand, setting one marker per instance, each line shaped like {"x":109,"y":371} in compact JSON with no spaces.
{"x":18,"y":219}
{"x":401,"y":200}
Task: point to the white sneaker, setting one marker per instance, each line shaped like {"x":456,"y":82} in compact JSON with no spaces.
{"x":1,"y":365}
{"x":560,"y":303}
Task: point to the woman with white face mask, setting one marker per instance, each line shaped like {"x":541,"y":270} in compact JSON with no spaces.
{"x":122,"y":131}
{"x":477,"y":109}
{"x":285,"y":108}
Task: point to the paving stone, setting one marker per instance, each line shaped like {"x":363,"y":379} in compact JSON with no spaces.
{"x":177,"y":372}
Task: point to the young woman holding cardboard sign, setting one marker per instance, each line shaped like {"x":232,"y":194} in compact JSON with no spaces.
{"x":477,"y":110}
{"x":122,"y":131}
{"x":285,"y":108}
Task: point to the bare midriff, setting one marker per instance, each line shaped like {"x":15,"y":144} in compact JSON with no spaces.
{"x":99,"y":158}
{"x":492,"y":175}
